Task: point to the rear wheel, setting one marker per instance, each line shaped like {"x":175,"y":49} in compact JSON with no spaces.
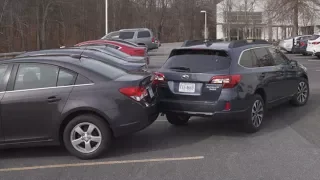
{"x":302,"y":95}
{"x":177,"y":119}
{"x":255,"y":115}
{"x":87,"y":136}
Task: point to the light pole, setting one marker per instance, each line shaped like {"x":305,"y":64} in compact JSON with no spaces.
{"x":106,"y":17}
{"x":205,"y":25}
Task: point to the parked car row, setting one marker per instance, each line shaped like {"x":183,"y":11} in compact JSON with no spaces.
{"x":83,"y":97}
{"x":305,"y":45}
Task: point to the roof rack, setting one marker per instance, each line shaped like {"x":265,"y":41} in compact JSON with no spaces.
{"x":4,"y":56}
{"x":189,"y":43}
{"x":239,"y":43}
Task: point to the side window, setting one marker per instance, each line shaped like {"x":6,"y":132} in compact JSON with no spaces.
{"x":263,"y":57}
{"x":144,"y":34}
{"x":82,"y":80}
{"x":33,"y":75}
{"x":66,"y":78}
{"x":247,"y":59}
{"x":3,"y":69}
{"x":126,"y":35}
{"x":277,"y":56}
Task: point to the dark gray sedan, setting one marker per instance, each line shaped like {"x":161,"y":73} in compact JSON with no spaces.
{"x":76,"y":101}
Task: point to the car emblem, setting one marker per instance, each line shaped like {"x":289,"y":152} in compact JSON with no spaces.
{"x":185,"y":76}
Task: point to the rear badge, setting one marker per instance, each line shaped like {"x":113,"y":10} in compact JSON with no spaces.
{"x":185,"y":76}
{"x":212,"y":87}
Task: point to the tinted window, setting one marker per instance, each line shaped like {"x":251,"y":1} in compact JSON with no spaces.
{"x":104,"y":69}
{"x":277,"y":56}
{"x":144,"y":34}
{"x":263,"y":57}
{"x":82,"y":80}
{"x":126,"y":35}
{"x":247,"y":59}
{"x":198,"y":61}
{"x":314,"y":37}
{"x":66,"y":78}
{"x":33,"y":75}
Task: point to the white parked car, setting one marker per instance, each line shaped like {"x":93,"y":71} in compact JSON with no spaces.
{"x":314,"y":45}
{"x":289,"y":43}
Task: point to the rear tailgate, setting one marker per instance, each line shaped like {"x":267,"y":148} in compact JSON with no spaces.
{"x":188,"y":74}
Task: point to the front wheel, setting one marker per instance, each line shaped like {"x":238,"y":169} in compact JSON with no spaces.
{"x":177,"y":119}
{"x":87,"y":136}
{"x":302,"y":95}
{"x":255,"y":115}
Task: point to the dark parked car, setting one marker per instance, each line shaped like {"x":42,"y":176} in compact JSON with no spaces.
{"x":237,"y":80}
{"x":105,"y":54}
{"x":301,"y":45}
{"x":80,"y":103}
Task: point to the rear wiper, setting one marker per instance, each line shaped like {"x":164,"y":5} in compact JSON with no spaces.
{"x":181,"y":68}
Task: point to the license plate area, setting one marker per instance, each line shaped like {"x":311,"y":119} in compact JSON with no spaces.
{"x":187,"y":87}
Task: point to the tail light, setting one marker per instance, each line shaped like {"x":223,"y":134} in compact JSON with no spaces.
{"x":229,"y":81}
{"x":153,"y":40}
{"x":157,"y":78}
{"x":316,"y":43}
{"x":302,"y":44}
{"x":136,"y":93}
{"x":227,"y":106}
{"x":139,"y":52}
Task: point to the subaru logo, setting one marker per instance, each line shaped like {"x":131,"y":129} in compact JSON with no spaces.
{"x":185,"y":76}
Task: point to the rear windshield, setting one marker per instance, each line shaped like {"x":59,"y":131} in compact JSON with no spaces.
{"x":198,"y":60}
{"x":314,"y":37}
{"x":103,"y":69}
{"x":126,"y":35}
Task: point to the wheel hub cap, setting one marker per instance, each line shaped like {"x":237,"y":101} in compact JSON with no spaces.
{"x":302,"y":92}
{"x":257,"y":113}
{"x":86,"y":137}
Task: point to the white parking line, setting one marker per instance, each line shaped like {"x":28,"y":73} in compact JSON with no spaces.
{"x":101,"y":163}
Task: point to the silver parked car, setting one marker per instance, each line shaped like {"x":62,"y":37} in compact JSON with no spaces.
{"x":142,"y":36}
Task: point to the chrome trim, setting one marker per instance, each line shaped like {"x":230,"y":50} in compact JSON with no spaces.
{"x":251,"y":49}
{"x":79,"y":85}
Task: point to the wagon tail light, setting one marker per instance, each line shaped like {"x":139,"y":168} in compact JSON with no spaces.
{"x":229,"y":81}
{"x":136,"y":93}
{"x":316,"y":43}
{"x":157,"y":78}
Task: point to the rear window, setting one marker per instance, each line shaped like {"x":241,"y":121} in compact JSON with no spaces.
{"x":144,"y":34}
{"x":198,"y":60}
{"x":103,"y":69}
{"x":314,"y":37}
{"x":126,"y":35}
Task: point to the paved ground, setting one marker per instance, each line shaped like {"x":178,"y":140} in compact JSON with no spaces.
{"x":287,"y":148}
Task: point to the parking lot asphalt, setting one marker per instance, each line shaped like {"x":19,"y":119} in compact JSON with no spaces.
{"x":287,"y":148}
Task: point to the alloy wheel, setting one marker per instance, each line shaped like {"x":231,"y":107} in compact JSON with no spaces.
{"x":302,"y":92}
{"x":257,"y":113}
{"x":86,"y":137}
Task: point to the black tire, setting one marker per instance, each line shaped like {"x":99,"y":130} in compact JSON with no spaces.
{"x":252,"y":125}
{"x":103,"y":131}
{"x":177,"y":119}
{"x":297,"y":99}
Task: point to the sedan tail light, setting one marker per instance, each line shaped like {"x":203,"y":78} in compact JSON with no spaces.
{"x":316,"y":43}
{"x":229,"y":81}
{"x":153,"y":40}
{"x":157,"y":78}
{"x":139,"y":52}
{"x":302,"y":44}
{"x":136,"y":93}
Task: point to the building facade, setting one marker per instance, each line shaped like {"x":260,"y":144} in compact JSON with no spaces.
{"x":247,"y":19}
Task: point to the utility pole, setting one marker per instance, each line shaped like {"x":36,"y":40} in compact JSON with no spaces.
{"x":106,"y":11}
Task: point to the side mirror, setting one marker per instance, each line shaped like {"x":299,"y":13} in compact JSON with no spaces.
{"x":293,"y":63}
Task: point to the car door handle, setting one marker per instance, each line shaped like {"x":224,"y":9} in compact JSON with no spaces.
{"x":53,"y":99}
{"x":263,"y":75}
